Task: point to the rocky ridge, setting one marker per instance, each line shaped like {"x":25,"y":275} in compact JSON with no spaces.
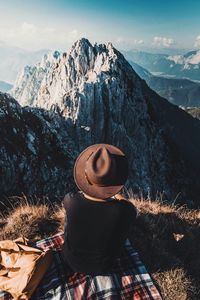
{"x":36,"y":151}
{"x":194,"y":111}
{"x":30,"y":78}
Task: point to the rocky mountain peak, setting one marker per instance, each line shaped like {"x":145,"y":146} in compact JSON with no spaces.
{"x":80,"y":67}
{"x":82,"y":64}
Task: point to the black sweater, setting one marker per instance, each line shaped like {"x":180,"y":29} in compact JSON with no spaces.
{"x":95,"y":232}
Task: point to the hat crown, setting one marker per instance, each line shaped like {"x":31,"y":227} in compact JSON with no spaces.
{"x":101,"y":170}
{"x":100,"y":167}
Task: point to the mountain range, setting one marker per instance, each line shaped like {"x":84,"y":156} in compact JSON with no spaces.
{"x":179,"y":91}
{"x":182,"y":92}
{"x":175,"y":66}
{"x":91,"y":94}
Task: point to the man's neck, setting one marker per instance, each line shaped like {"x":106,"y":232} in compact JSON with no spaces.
{"x":93,"y":198}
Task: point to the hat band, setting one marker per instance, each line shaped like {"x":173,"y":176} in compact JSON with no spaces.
{"x":86,"y":176}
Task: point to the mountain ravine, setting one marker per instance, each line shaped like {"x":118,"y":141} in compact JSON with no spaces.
{"x":99,"y":97}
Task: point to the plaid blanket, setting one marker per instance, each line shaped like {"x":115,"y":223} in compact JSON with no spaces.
{"x":128,"y":280}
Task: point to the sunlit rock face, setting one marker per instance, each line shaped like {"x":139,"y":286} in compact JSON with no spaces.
{"x":101,"y":99}
{"x":29,"y":80}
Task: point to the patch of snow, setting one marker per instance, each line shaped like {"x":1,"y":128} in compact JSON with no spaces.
{"x":87,"y":128}
{"x":186,"y":66}
{"x":156,"y":73}
{"x":177,"y":59}
{"x":193,"y":59}
{"x":30,"y":144}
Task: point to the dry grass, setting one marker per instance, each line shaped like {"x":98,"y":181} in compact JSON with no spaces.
{"x":167,"y":238}
{"x":34,"y":221}
{"x":174,"y":284}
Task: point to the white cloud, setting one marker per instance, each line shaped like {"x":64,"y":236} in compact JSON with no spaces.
{"x":197,"y":41}
{"x":128,"y":43}
{"x":28,"y":29}
{"x":2,"y":43}
{"x":163,"y":41}
{"x":74,"y":34}
{"x":30,"y":36}
{"x":119,"y":40}
{"x":139,"y":42}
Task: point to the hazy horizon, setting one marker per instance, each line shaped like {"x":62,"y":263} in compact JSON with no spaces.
{"x":132,"y":24}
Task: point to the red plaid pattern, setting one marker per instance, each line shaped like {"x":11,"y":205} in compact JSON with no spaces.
{"x":128,"y":280}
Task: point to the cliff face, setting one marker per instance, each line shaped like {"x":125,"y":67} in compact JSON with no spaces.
{"x":36,"y":151}
{"x":103,"y":100}
{"x":29,"y":80}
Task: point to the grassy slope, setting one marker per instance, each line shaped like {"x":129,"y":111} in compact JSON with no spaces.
{"x":167,"y":238}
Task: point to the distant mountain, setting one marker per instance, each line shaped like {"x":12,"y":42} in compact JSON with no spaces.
{"x":4,"y":86}
{"x":179,"y":66}
{"x":178,"y":91}
{"x":182,"y":92}
{"x":13,"y":59}
{"x":101,"y":98}
{"x":161,"y":50}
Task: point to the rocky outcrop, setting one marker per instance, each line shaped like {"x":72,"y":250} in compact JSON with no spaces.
{"x":194,"y":111}
{"x":36,"y":151}
{"x":103,"y":100}
{"x":29,"y":80}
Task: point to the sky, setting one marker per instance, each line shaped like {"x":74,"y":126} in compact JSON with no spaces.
{"x":128,"y":24}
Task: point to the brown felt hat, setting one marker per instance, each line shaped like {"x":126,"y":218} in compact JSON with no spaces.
{"x":101,"y":170}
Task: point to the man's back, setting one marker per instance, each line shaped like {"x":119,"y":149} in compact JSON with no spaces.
{"x":95,"y":232}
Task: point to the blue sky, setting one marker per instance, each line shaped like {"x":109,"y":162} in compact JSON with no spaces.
{"x":127,"y":24}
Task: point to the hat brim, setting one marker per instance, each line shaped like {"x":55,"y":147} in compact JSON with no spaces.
{"x":92,"y":190}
